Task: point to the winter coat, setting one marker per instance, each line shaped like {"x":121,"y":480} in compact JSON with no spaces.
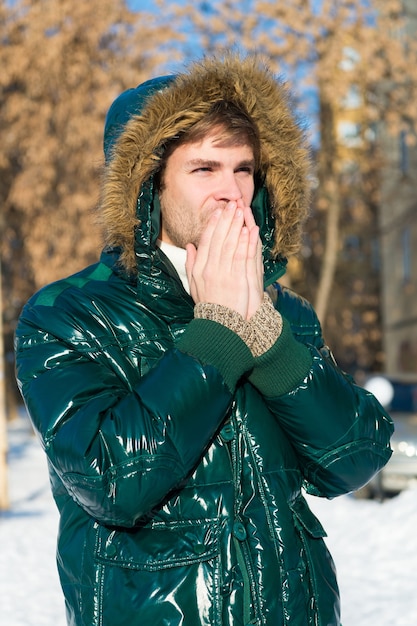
{"x":177,"y":459}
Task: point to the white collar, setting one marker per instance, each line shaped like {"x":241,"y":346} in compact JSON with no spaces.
{"x":177,"y":256}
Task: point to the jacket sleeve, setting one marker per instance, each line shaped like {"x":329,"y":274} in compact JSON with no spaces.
{"x":119,"y":448}
{"x":339,"y":430}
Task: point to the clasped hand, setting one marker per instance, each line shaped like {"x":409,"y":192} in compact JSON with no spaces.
{"x":227,"y":266}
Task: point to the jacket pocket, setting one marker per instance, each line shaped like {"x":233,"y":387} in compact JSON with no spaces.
{"x":165,"y":572}
{"x":305,"y":518}
{"x":322,"y":583}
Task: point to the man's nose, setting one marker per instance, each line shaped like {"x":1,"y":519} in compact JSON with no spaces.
{"x":228,"y":189}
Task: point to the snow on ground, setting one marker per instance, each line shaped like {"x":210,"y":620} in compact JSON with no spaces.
{"x":373,"y":544}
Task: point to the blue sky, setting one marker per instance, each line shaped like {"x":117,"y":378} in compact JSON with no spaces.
{"x":144,"y":5}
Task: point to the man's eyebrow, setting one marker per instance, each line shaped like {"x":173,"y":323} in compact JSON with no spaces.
{"x":202,"y":162}
{"x":247,"y":163}
{"x":215,"y":164}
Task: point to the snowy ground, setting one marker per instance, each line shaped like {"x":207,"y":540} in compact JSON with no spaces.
{"x":374,"y":546}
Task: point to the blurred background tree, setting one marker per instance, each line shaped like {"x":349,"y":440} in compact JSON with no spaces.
{"x":351,"y":68}
{"x":63,"y":62}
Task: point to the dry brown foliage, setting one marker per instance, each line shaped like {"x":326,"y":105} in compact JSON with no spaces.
{"x":63,"y":62}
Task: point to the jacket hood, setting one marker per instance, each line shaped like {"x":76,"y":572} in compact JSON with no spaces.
{"x":142,"y":120}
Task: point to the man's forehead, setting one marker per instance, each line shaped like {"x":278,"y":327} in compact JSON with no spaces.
{"x":210,"y":152}
{"x":217,"y":138}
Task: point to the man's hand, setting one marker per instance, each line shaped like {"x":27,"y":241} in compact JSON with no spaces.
{"x":227,"y":267}
{"x":254,"y":266}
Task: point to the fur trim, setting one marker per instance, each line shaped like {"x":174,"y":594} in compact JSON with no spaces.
{"x":284,"y":153}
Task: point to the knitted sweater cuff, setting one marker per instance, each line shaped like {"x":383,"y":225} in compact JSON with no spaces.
{"x":265,"y":326}
{"x":212,"y":343}
{"x":283,"y":366}
{"x":222,"y":315}
{"x":259,"y":333}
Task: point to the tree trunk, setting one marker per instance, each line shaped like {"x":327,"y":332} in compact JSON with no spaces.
{"x":329,"y":263}
{"x":330,"y":201}
{"x":4,"y":492}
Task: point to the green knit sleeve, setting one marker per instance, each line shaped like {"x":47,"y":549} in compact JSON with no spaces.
{"x":283,"y":366}
{"x":215,"y":344}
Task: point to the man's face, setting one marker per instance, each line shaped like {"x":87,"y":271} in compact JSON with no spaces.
{"x":199,"y":178}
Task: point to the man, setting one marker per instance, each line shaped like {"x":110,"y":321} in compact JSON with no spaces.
{"x":182,"y":396}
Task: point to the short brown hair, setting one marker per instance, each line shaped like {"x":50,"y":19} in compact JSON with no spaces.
{"x":236,"y":128}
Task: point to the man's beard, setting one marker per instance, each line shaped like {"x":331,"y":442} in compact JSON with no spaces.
{"x":182,"y":234}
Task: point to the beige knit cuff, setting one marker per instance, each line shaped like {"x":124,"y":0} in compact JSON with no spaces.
{"x":266,"y":326}
{"x":222,"y":315}
{"x":259,"y":333}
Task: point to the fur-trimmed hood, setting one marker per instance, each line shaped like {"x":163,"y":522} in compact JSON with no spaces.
{"x":142,"y":120}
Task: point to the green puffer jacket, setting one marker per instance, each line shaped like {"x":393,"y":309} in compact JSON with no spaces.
{"x":176,"y":458}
